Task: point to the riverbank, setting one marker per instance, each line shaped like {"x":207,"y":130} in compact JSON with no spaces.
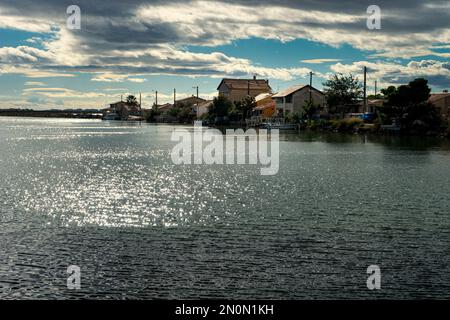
{"x":358,"y":126}
{"x":76,"y":114}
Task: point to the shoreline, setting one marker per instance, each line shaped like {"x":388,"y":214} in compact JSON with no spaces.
{"x":302,"y":128}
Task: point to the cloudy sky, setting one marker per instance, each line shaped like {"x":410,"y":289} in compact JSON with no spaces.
{"x":140,"y":46}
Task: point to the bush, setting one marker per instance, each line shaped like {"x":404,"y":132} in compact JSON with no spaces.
{"x":293,"y":118}
{"x":317,"y":124}
{"x":348,"y":124}
{"x":152,"y":114}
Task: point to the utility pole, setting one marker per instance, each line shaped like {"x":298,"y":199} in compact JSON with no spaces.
{"x":310,"y":86}
{"x":156,"y":101}
{"x":375,"y":89}
{"x":365,"y":90}
{"x":197,"y":91}
{"x":248,"y":88}
{"x":121,"y":98}
{"x":140,"y":107}
{"x":174,"y":97}
{"x":196,"y":103}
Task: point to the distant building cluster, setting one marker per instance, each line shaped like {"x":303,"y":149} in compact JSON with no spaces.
{"x":268,"y":104}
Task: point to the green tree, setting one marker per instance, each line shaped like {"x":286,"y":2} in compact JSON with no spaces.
{"x":186,"y":113}
{"x":409,"y":103}
{"x":387,"y":92}
{"x":342,"y":90}
{"x":220,"y":108}
{"x":131,"y":100}
{"x":309,"y":109}
{"x":245,"y":107}
{"x":174,"y":112}
{"x":293,"y":117}
{"x":152,"y":114}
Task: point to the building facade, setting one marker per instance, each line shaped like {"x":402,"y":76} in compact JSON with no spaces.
{"x":203,"y":108}
{"x":442,"y":102}
{"x":294,"y":98}
{"x":237,"y":89}
{"x":265,"y":106}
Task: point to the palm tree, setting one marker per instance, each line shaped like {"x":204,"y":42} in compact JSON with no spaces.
{"x":131,"y":100}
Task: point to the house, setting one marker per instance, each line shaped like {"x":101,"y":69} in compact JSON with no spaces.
{"x":203,"y":108}
{"x":123,"y":109}
{"x":442,"y":102}
{"x":164,"y":107}
{"x":238,"y":89}
{"x":374,"y":104}
{"x":190,"y":101}
{"x":265,"y":106}
{"x":294,"y":98}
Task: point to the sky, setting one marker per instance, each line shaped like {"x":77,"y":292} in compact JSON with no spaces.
{"x":137,"y":46}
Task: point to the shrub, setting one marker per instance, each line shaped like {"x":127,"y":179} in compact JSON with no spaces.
{"x":293,"y":118}
{"x":348,"y":124}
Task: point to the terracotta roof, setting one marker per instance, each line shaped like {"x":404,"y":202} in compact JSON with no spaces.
{"x":192,"y":99}
{"x":165,"y":106}
{"x":434,"y":97}
{"x":292,"y":90}
{"x":206,"y":103}
{"x":262,"y":96}
{"x":375,"y":102}
{"x":267,"y":105}
{"x":258,"y":84}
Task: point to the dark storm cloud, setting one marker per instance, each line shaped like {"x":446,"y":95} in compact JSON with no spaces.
{"x":398,"y":16}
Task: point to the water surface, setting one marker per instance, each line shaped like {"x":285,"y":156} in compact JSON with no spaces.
{"x":105,"y":196}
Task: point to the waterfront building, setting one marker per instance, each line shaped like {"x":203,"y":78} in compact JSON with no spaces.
{"x":294,"y":98}
{"x":237,"y":89}
{"x":442,"y":102}
{"x":203,"y":108}
{"x":190,"y":101}
{"x":265,"y":106}
{"x":122,"y":109}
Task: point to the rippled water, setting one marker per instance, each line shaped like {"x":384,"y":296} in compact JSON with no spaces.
{"x":106,"y":197}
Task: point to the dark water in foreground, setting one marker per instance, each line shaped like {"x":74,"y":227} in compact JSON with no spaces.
{"x":106,"y":197}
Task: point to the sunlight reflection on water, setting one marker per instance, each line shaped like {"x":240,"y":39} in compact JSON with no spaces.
{"x":108,"y":196}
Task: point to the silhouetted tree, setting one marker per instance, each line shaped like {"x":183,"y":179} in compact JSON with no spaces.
{"x":409,"y":104}
{"x":220,"y":108}
{"x":341,"y":91}
{"x":131,"y":100}
{"x":245,"y":107}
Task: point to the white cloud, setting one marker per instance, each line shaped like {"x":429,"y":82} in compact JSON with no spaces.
{"x":213,"y":23}
{"x":34,"y":83}
{"x":318,"y":61}
{"x":137,"y":80}
{"x":389,"y":73}
{"x":25,"y":23}
{"x":134,"y":41}
{"x":109,"y":77}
